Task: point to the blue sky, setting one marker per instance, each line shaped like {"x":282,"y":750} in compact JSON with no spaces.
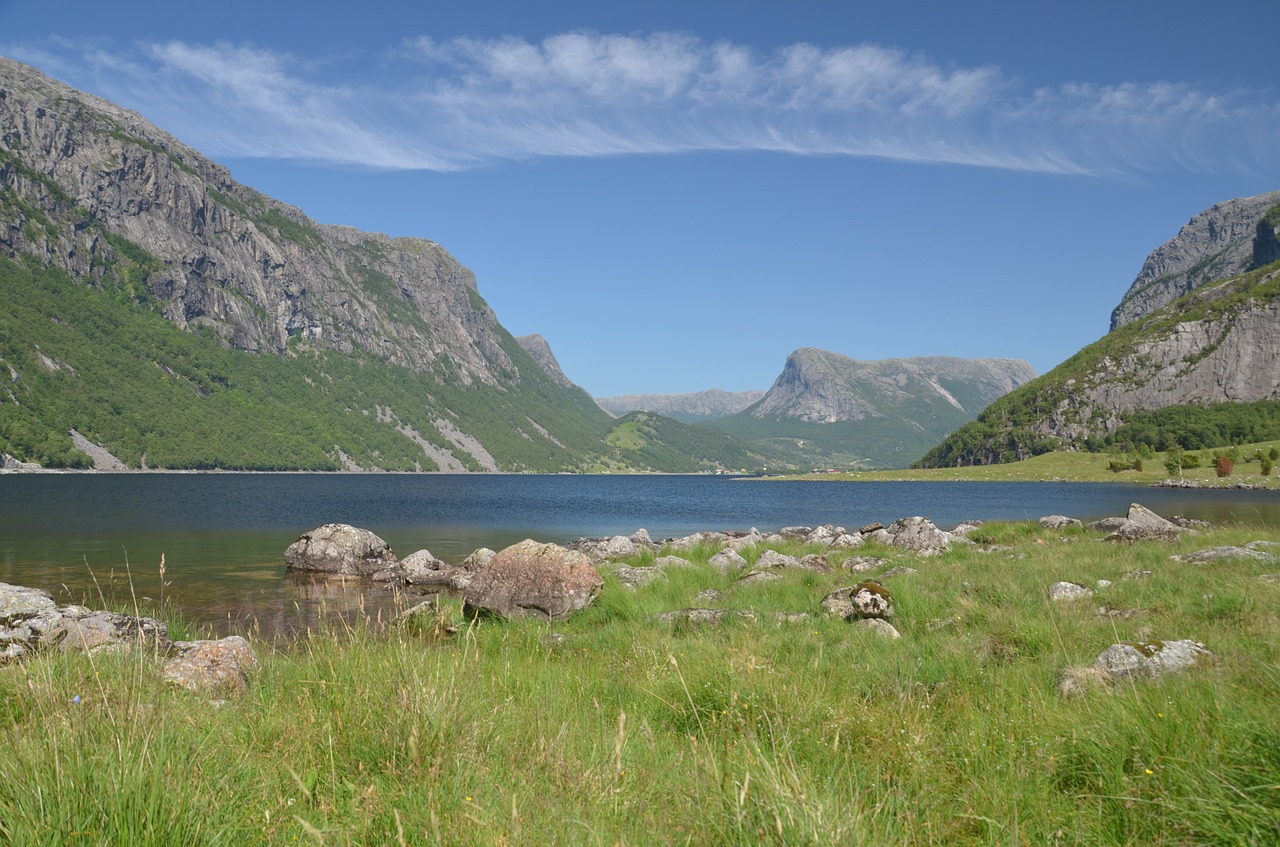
{"x":677,"y":195}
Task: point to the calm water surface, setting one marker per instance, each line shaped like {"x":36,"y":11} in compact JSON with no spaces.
{"x":223,"y":536}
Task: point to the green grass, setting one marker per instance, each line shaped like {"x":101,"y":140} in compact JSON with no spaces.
{"x":1070,"y":466}
{"x":633,"y":732}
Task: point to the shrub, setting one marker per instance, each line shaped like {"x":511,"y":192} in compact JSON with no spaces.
{"x":1224,"y":466}
{"x":1273,"y":454}
{"x":1266,"y":466}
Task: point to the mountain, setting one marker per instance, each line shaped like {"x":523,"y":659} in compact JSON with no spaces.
{"x":161,"y":314}
{"x":537,"y":347}
{"x":1217,"y":243}
{"x":829,"y":409}
{"x":1208,"y":361}
{"x":690,"y":408}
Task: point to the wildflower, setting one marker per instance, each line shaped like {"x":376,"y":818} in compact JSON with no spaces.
{"x":1149,"y":772}
{"x":76,"y":699}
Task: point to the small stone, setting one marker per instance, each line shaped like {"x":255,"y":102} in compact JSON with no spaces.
{"x":634,"y":578}
{"x":1058,"y":522}
{"x":708,"y":597}
{"x":759,"y":577}
{"x":1068,"y":591}
{"x":1217,"y":554}
{"x":860,"y":564}
{"x":900,"y":570}
{"x":880,"y":627}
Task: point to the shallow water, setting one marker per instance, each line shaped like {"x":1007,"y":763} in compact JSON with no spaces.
{"x":89,"y":536}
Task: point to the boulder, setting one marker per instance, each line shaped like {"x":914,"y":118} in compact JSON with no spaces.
{"x":82,"y":629}
{"x":532,"y":578}
{"x":1130,"y":659}
{"x":847,"y":541}
{"x":641,"y":538}
{"x":859,"y":564}
{"x":814,"y":562}
{"x":421,"y":568}
{"x":478,"y":559}
{"x":879,"y":626}
{"x":759,"y":577}
{"x":919,"y":535}
{"x":774,"y":559}
{"x":1215,"y":554}
{"x":900,"y":570}
{"x":727,"y":561}
{"x":671,"y":562}
{"x":867,"y":599}
{"x":709,"y":595}
{"x":1107,"y":524}
{"x":26,"y":614}
{"x":633,"y":578}
{"x":1142,"y":524}
{"x":213,"y":667}
{"x":1058,"y":522}
{"x":619,"y":545}
{"x":707,"y":615}
{"x":1060,"y":591}
{"x":339,"y":550}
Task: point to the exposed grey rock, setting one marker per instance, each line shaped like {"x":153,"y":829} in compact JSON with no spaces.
{"x":860,"y":564}
{"x":814,"y":562}
{"x":962,"y":530}
{"x":633,"y":578}
{"x":671,"y":562}
{"x":795,"y":532}
{"x":847,"y":541}
{"x":1215,"y":554}
{"x":426,"y":609}
{"x":1131,"y":575}
{"x":106,"y":630}
{"x":222,"y":667}
{"x":1120,"y":614}
{"x":1058,"y":522}
{"x":870,"y":528}
{"x":791,"y":617}
{"x":919,"y":535}
{"x":751,"y":539}
{"x":641,"y":538}
{"x":880,"y":536}
{"x":1216,"y":243}
{"x":1103,"y":584}
{"x":9,"y":463}
{"x":478,"y":559}
{"x":727,"y":561}
{"x":531,"y":578}
{"x":1142,"y":524}
{"x":619,"y":545}
{"x":868,"y":599}
{"x":339,"y":550}
{"x":774,"y":559}
{"x":708,"y":596}
{"x":759,"y":577}
{"x":538,"y":348}
{"x":19,"y":603}
{"x":1263,"y":545}
{"x":707,"y":615}
{"x":1107,"y":524}
{"x":901,"y":570}
{"x":879,"y":626}
{"x":1127,"y":660}
{"x":1068,"y":591}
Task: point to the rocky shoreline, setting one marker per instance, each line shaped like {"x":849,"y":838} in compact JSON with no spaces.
{"x":553,"y":582}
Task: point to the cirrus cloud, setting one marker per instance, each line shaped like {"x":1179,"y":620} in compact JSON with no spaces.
{"x":467,"y":102}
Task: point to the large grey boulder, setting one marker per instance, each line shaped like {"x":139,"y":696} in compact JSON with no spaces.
{"x":919,"y":535}
{"x":1149,"y":658}
{"x":1058,"y":522}
{"x":1142,"y":524}
{"x":532,"y":578}
{"x":727,"y":561}
{"x":634,"y":578}
{"x":336,"y":549}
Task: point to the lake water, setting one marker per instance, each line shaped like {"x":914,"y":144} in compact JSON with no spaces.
{"x":223,"y":536}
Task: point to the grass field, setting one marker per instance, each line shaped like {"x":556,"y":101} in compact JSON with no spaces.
{"x":630,"y":731}
{"x":1071,"y":467}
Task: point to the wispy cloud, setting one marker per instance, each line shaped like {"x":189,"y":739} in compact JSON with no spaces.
{"x":448,"y":105}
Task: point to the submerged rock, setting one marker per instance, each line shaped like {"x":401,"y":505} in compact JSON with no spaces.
{"x":339,"y":550}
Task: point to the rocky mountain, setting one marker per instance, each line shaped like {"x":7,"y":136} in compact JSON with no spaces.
{"x":1218,"y":344}
{"x":691,"y":408}
{"x":171,"y":317}
{"x":537,"y":347}
{"x":1222,"y":241}
{"x":826,"y":408}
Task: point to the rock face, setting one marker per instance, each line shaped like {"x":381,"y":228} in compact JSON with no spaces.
{"x":1215,"y":244}
{"x":836,"y":411}
{"x":531,"y":578}
{"x":537,"y":347}
{"x":339,"y":550}
{"x":690,"y":408}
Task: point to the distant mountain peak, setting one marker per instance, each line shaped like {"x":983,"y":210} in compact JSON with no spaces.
{"x":689,"y":407}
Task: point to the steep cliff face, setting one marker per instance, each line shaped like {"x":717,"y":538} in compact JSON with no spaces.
{"x":1215,"y":244}
{"x":691,"y":407}
{"x":90,"y":186}
{"x":305,"y":345}
{"x":818,"y":386}
{"x":537,"y":347}
{"x":1218,"y":344}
